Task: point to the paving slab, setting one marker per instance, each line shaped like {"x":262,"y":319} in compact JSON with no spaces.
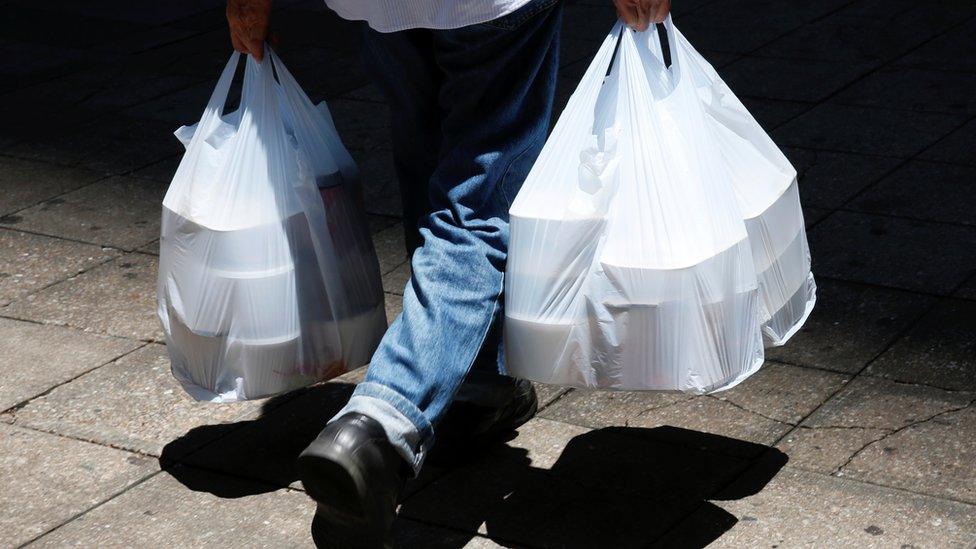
{"x":914,"y":89}
{"x":133,"y":403}
{"x":595,"y":409}
{"x":784,"y":393}
{"x":394,"y":304}
{"x":369,"y":93}
{"x":162,"y":171}
{"x":379,"y":222}
{"x":825,"y":450}
{"x":152,"y":14}
{"x":24,"y":183}
{"x":333,"y":75}
{"x":589,"y":22}
{"x":390,"y":248}
{"x":812,"y":216}
{"x":396,"y":280}
{"x":830,"y":179}
{"x":872,"y":30}
{"x":804,"y":509}
{"x":785,"y":79}
{"x":380,"y":187}
{"x":953,"y":50}
{"x":152,"y":248}
{"x":572,"y":50}
{"x":850,"y":246}
{"x":772,"y":113}
{"x":116,"y":298}
{"x":65,"y":29}
{"x":178,"y":108}
{"x":735,"y":426}
{"x":364,"y":127}
{"x":30,"y":262}
{"x":850,"y":325}
{"x":599,"y":492}
{"x":163,"y":510}
{"x":968,"y":290}
{"x":934,"y":457}
{"x":26,"y":63}
{"x":109,"y":145}
{"x":541,"y":442}
{"x":122,"y":212}
{"x":733,"y":26}
{"x":939,"y":351}
{"x":71,"y":101}
{"x":876,"y":131}
{"x":946,"y":197}
{"x":549,"y":394}
{"x":34,"y":358}
{"x":48,"y":479}
{"x":956,"y":147}
{"x":875,"y":403}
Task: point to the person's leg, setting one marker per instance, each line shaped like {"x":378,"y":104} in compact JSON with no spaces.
{"x":496,"y":97}
{"x":403,"y":67}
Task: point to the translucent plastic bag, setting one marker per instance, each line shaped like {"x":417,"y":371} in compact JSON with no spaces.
{"x":268,"y":280}
{"x":658,"y":241}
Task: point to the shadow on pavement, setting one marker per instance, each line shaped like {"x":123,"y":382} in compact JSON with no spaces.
{"x":263,"y":449}
{"x":611,"y":487}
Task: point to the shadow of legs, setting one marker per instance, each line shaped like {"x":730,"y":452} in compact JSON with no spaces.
{"x":613,"y":487}
{"x":262,"y":449}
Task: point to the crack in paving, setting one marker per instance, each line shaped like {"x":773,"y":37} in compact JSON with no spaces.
{"x":744,"y":409}
{"x":653,"y":408}
{"x":853,"y":427}
{"x":839,"y":471}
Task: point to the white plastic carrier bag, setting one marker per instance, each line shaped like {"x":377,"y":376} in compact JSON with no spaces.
{"x":658,"y":241}
{"x":268,"y":280}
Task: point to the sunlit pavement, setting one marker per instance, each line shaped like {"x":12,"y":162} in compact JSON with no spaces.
{"x":861,"y":432}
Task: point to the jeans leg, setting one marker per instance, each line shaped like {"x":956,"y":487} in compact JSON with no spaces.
{"x":402,"y":66}
{"x":495,"y":98}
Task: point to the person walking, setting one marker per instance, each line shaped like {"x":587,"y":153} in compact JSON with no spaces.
{"x":470,"y":85}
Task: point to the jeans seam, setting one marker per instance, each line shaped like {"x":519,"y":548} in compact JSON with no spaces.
{"x":508,"y":168}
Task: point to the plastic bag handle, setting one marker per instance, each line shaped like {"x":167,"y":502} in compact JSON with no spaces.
{"x":218,"y":98}
{"x":592,"y":81}
{"x":285,"y":77}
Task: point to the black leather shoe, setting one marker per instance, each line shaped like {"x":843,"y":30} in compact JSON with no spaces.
{"x":355,"y":475}
{"x":470,"y":424}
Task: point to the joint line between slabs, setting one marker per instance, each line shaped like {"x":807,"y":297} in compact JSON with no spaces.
{"x":867,"y":74}
{"x":13,"y":409}
{"x":78,"y":515}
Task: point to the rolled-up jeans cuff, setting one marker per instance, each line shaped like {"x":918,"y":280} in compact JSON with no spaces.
{"x":405,"y":426}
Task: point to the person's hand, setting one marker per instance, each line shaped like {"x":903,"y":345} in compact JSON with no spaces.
{"x":248,"y":20}
{"x":639,"y":14}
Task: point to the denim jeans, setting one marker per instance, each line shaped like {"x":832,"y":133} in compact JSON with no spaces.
{"x":471,"y":110}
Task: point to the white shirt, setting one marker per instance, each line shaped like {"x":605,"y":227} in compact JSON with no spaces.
{"x":397,"y":15}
